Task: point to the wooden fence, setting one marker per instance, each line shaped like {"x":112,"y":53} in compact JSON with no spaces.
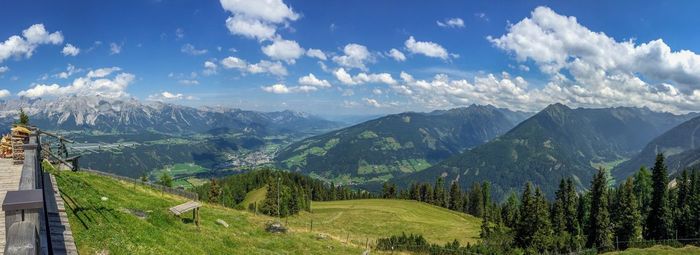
{"x":175,"y":191}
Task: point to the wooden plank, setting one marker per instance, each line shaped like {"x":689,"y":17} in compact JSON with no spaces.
{"x":9,"y":180}
{"x":180,"y":209}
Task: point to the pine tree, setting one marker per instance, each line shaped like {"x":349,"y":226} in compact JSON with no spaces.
{"x":486,"y":191}
{"x":599,"y":229}
{"x":628,"y":218}
{"x":659,"y":220}
{"x":476,"y":200}
{"x":440,"y":192}
{"x":524,"y":228}
{"x":23,"y":118}
{"x":165,"y":179}
{"x":643,"y":192}
{"x":455,"y":197}
{"x":570,"y":208}
{"x":683,"y":213}
{"x":270,"y":205}
{"x":542,"y":238}
{"x":509,"y":211}
{"x":214,"y":191}
{"x":558,"y":211}
{"x":695,"y":204}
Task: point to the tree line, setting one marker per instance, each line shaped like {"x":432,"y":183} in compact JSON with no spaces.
{"x":646,"y":206}
{"x":287,"y":193}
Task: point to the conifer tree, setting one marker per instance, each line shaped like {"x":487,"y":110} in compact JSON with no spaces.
{"x":524,"y":228}
{"x":455,"y":197}
{"x":599,"y":228}
{"x":440,"y":192}
{"x":486,"y":191}
{"x":509,"y":211}
{"x":659,"y":222}
{"x":570,"y":208}
{"x":542,"y":237}
{"x":683,"y":213}
{"x":476,"y":200}
{"x":643,"y":192}
{"x":558,"y":210}
{"x":628,"y":218}
{"x":214,"y":191}
{"x":694,"y":204}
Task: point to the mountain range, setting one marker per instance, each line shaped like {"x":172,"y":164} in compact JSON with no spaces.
{"x":680,"y":146}
{"x":558,"y":142}
{"x":397,"y":144}
{"x":127,"y":115}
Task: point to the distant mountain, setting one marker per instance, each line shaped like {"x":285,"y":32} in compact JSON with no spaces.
{"x":396,"y":144}
{"x":555,"y":143}
{"x":130,"y":115}
{"x":680,"y":145}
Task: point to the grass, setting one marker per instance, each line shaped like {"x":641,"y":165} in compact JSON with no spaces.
{"x":257,"y":195}
{"x":659,"y":249}
{"x":108,"y":216}
{"x":374,"y":218}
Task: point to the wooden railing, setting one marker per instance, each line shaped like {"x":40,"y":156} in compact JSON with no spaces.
{"x":25,"y":217}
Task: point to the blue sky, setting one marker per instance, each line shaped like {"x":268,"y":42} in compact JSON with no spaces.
{"x":259,"y":54}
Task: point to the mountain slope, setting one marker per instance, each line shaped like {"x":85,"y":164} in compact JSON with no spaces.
{"x":555,"y":143}
{"x":396,"y":144}
{"x":95,"y":113}
{"x":680,"y":145}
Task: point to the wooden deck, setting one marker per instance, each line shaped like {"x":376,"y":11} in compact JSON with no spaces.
{"x":9,"y":180}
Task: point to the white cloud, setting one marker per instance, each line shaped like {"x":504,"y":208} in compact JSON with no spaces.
{"x":190,"y":49}
{"x":4,"y":93}
{"x":179,"y":33}
{"x":264,"y":66}
{"x":169,"y":96}
{"x":429,"y":49}
{"x":210,"y":68}
{"x":96,"y":82}
{"x":311,"y":80}
{"x":361,"y":78}
{"x":377,"y":91}
{"x":397,"y":55}
{"x":453,"y":22}
{"x":4,"y":69}
{"x":372,"y":102}
{"x":25,"y":45}
{"x":257,"y":19}
{"x":285,"y":50}
{"x":355,"y":56}
{"x":70,"y":70}
{"x":188,"y":82}
{"x":70,"y":50}
{"x":588,"y":68}
{"x":316,"y":53}
{"x":283,"y":89}
{"x":115,"y":48}
{"x":481,"y":16}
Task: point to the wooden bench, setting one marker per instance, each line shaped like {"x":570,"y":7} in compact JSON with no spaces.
{"x":183,"y":208}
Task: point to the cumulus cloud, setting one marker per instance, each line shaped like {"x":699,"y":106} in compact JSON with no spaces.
{"x":25,"y":45}
{"x":191,"y":50}
{"x":355,"y":56}
{"x":70,"y":50}
{"x":283,"y":89}
{"x":285,"y":50}
{"x":4,"y":93}
{"x":372,"y":102}
{"x":588,"y":68}
{"x":316,"y":53}
{"x":397,"y":55}
{"x":453,"y":22}
{"x":362,"y":78}
{"x":311,"y":80}
{"x":188,"y":82}
{"x":70,"y":71}
{"x":429,"y":49}
{"x":104,"y":82}
{"x":264,"y":66}
{"x":169,"y":96}
{"x":210,"y":68}
{"x":257,"y":19}
{"x":4,"y":69}
{"x":115,"y":48}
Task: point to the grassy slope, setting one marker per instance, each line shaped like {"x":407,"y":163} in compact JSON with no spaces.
{"x":100,"y":226}
{"x":665,"y":250}
{"x":257,"y":195}
{"x":375,"y":218}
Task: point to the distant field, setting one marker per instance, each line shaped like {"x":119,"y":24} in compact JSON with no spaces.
{"x":257,"y":195}
{"x":374,"y":218}
{"x":132,"y":219}
{"x":661,"y":250}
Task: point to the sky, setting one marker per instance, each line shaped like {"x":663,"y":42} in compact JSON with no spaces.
{"x":355,"y":57}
